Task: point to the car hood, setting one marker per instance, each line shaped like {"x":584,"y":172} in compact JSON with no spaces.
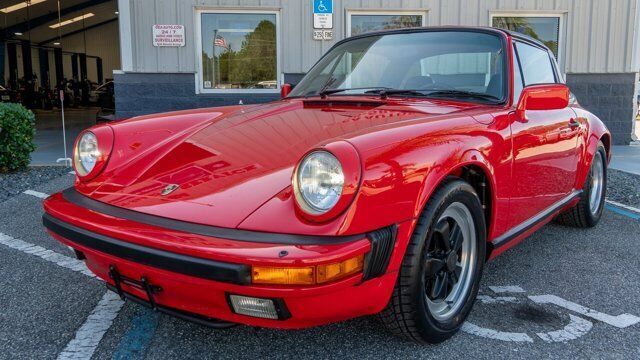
{"x":226,"y":169}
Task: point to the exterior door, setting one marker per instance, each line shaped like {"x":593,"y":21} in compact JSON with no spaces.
{"x":545,"y":155}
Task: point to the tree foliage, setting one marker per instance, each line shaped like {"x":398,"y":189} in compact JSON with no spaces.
{"x":253,"y":63}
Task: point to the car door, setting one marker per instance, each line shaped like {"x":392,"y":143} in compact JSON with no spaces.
{"x":545,"y":155}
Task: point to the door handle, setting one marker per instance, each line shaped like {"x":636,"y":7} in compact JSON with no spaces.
{"x":574,"y":123}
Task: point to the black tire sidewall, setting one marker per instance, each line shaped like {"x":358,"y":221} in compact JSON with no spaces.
{"x":455,"y":191}
{"x":592,"y":219}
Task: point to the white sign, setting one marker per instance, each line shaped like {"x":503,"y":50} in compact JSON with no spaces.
{"x":323,"y":14}
{"x":168,"y":35}
{"x":322,"y":34}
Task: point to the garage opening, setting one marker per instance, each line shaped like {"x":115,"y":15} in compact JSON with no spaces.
{"x":59,"y":53}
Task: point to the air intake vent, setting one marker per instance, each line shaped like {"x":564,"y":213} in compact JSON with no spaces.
{"x":377,"y":260}
{"x":340,"y":103}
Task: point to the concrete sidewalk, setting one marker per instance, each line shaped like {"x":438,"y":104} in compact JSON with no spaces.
{"x":626,"y":158}
{"x":48,"y":137}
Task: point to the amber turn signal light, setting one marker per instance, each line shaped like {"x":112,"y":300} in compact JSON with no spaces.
{"x":309,"y":275}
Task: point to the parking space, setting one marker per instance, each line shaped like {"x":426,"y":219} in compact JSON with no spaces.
{"x":562,"y":293}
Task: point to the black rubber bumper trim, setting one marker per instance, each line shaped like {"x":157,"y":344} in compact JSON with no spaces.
{"x":76,"y":198}
{"x":382,"y":245}
{"x":179,"y":263}
{"x":195,"y":318}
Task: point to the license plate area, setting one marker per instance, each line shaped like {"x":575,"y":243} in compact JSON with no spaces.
{"x":141,"y":284}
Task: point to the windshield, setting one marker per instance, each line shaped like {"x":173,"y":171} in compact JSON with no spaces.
{"x":433,"y":63}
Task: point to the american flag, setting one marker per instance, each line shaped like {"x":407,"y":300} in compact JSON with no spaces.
{"x":221,"y":42}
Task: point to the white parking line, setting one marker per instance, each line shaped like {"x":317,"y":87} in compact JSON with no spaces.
{"x":88,"y":336}
{"x":506,"y":289}
{"x":36,"y":194}
{"x":474,"y":329}
{"x":485,"y":299}
{"x":577,"y":327}
{"x":45,"y":254}
{"x":620,"y":321}
{"x":627,"y":207}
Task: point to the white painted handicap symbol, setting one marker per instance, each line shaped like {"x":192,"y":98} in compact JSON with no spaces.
{"x":578,"y":326}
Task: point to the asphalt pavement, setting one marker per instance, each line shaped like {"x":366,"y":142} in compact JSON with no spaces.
{"x":562,"y":293}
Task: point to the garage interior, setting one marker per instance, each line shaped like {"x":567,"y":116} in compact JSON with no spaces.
{"x":59,"y":49}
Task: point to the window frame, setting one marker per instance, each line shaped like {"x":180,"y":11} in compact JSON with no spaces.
{"x":200,"y":89}
{"x":552,"y":61}
{"x":516,"y":60}
{"x":561,"y":15}
{"x":378,"y":12}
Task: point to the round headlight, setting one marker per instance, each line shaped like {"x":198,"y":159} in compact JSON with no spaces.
{"x":320,"y":181}
{"x":87,"y":153}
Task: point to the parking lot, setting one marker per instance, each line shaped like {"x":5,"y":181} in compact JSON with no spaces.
{"x":563,"y":293}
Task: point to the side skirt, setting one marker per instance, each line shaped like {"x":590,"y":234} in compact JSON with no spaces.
{"x":515,"y":232}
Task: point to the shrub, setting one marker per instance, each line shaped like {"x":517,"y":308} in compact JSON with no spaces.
{"x":17,"y":128}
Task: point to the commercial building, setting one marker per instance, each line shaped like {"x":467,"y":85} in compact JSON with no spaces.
{"x":243,"y":50}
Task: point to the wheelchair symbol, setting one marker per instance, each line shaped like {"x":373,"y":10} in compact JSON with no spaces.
{"x":322,"y":7}
{"x":577,"y":326}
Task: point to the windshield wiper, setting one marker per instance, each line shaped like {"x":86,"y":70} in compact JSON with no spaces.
{"x":463,"y":94}
{"x":385,"y":92}
{"x":325,"y":92}
{"x":325,"y":87}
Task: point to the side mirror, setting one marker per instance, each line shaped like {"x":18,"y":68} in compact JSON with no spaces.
{"x":543,"y":97}
{"x":285,"y":90}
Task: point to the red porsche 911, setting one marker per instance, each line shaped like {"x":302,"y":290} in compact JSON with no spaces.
{"x":399,"y":165}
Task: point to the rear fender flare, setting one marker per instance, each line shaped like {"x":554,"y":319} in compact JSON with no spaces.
{"x":595,"y":132}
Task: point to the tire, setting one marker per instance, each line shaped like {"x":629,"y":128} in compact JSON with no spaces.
{"x":589,"y":209}
{"x":413,"y":313}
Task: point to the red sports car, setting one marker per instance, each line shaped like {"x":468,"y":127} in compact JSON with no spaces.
{"x":399,"y":165}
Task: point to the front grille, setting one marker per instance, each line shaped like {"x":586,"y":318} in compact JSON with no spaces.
{"x":377,"y":260}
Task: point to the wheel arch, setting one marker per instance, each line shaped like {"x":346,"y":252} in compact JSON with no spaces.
{"x":606,"y":141}
{"x":476,"y":170}
{"x":597,"y":133}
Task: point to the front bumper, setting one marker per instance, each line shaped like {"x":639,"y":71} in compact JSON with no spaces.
{"x":197,"y":273}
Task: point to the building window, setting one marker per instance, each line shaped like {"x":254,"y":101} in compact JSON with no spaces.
{"x":238,"y":51}
{"x":545,"y":28}
{"x":362,"y":22}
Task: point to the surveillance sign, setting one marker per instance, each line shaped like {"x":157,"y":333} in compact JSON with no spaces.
{"x":323,"y":14}
{"x":168,"y":35}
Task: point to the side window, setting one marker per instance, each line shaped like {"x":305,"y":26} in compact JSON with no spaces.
{"x":536,"y":65}
{"x":518,"y":85}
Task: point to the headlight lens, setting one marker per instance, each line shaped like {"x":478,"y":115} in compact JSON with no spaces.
{"x":320,"y":181}
{"x":87,"y":153}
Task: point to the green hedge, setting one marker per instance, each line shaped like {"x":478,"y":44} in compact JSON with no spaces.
{"x":17,"y":129}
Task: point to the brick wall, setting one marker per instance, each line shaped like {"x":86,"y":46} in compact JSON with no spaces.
{"x":140,"y":94}
{"x":611,"y":97}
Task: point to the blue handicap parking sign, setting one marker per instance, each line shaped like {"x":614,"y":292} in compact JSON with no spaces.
{"x":322,"y":6}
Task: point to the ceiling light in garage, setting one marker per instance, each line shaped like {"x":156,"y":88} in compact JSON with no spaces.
{"x":117,"y":13}
{"x":17,"y":34}
{"x":56,"y":43}
{"x":71,"y":21}
{"x":21,"y":5}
